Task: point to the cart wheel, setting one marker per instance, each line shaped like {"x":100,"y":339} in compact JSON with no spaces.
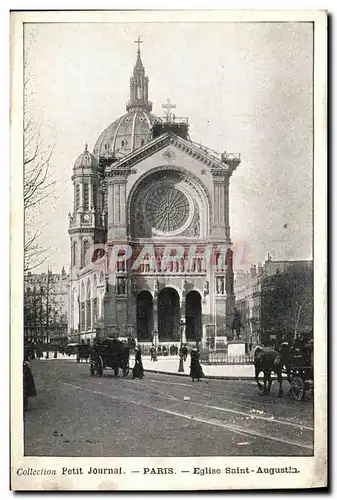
{"x":116,"y":370}
{"x":126,"y":370}
{"x":297,"y":386}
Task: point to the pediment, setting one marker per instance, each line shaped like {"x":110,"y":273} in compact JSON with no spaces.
{"x":174,"y":147}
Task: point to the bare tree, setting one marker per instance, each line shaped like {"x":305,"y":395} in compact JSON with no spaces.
{"x":38,"y":182}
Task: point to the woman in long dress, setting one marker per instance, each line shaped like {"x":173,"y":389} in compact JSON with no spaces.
{"x":138,"y":370}
{"x":196,"y":370}
{"x":29,"y":390}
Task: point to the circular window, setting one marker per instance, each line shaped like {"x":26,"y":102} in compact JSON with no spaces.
{"x":167,"y":208}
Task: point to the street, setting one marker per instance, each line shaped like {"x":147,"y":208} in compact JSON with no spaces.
{"x":75,"y":414}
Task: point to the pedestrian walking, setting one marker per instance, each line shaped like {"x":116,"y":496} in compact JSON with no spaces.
{"x":196,"y":369}
{"x":29,"y":389}
{"x":138,"y":370}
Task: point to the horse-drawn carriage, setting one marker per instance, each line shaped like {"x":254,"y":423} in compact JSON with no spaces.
{"x":110,"y":353}
{"x":295,"y":361}
{"x":301,"y":370}
{"x":83,"y":352}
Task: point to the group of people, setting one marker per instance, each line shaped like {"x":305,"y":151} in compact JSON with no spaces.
{"x":195,"y":368}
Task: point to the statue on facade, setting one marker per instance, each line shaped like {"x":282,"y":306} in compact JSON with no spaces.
{"x":121,"y":286}
{"x":206,"y":288}
{"x":220,"y":286}
{"x":156,"y":288}
{"x":134,"y":287}
{"x":185,"y":286}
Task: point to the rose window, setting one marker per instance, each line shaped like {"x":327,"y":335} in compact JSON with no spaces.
{"x":167,"y":208}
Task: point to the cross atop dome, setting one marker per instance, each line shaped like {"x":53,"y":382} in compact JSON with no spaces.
{"x":168,"y":106}
{"x":139,"y":85}
{"x":139,"y":41}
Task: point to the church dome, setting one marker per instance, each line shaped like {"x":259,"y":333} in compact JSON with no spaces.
{"x":86,"y":159}
{"x":134,"y":129}
{"x":128,"y":132}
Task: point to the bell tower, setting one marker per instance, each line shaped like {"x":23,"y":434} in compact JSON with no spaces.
{"x":139,"y":85}
{"x":87,"y":225}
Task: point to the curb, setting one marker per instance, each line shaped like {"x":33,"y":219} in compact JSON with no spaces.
{"x":207,"y":377}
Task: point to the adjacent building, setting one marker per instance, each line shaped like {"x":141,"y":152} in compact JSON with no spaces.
{"x":275,"y":301}
{"x":46,"y":307}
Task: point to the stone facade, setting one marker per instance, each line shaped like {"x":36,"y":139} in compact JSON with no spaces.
{"x":151,"y":252}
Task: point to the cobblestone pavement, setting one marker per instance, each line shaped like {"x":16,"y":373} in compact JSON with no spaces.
{"x":75,"y":414}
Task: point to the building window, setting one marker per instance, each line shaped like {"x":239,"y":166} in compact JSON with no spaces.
{"x":89,"y":314}
{"x":86,"y":197}
{"x":82,"y":317}
{"x":85,"y":256}
{"x":77,"y":197}
{"x":94,"y":195}
{"x":74,"y":260}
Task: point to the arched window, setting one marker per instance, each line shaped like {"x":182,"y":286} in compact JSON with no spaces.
{"x":77,"y":196}
{"x":88,"y":308}
{"x":74,"y":254}
{"x":85,"y":256}
{"x":86,"y":197}
{"x":94,"y":195}
{"x":94,"y":286}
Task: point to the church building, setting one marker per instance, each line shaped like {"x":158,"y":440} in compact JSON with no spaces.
{"x":151,"y":254}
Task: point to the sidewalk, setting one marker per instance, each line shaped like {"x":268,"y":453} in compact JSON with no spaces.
{"x":170,"y":365}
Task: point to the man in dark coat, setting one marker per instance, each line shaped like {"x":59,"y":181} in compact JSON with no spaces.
{"x":196,"y":370}
{"x":29,"y":390}
{"x":138,"y":370}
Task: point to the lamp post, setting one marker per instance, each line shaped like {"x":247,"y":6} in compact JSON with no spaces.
{"x":181,"y":355}
{"x":155,"y":338}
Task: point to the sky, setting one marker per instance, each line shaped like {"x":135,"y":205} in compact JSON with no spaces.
{"x":245,"y":87}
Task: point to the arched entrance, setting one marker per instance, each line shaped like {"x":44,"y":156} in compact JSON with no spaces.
{"x":144,"y":316}
{"x":168,"y":315}
{"x":193,"y":317}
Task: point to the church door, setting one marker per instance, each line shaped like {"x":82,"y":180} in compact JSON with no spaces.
{"x":144,"y":316}
{"x":168,"y":315}
{"x":193,"y":317}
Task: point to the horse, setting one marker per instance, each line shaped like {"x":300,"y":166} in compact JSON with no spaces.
{"x":268,"y":360}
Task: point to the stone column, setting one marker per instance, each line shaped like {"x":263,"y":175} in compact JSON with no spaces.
{"x":155,"y":313}
{"x":183,"y":312}
{"x":80,"y":207}
{"x":218,"y":209}
{"x":226,"y":208}
{"x":117,"y":216}
{"x":90,"y":194}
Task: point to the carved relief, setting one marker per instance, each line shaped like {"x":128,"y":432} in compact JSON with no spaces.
{"x":169,"y":155}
